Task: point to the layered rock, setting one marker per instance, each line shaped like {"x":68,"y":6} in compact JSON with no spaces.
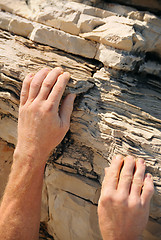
{"x":113,"y":55}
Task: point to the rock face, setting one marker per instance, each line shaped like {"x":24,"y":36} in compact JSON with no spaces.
{"x":113,"y":54}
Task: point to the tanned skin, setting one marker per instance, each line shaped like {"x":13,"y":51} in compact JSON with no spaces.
{"x":123,"y":208}
{"x":124,"y":203}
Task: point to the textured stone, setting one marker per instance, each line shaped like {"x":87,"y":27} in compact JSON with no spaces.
{"x":21,"y":26}
{"x":64,"y":20}
{"x":5,"y":19}
{"x":154,"y":5}
{"x":116,"y":59}
{"x":63,"y":41}
{"x":18,"y":7}
{"x":6,"y":153}
{"x":117,"y":109}
{"x":72,"y":197}
{"x":114,"y":34}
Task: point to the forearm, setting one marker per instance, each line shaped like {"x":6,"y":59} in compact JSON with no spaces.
{"x":20,"y":207}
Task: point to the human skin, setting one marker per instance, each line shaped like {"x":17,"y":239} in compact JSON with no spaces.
{"x":124,"y":203}
{"x":41,"y":127}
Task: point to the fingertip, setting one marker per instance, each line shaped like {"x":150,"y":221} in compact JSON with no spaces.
{"x":148,"y":188}
{"x":67,"y":74}
{"x":25,"y":88}
{"x":119,"y":156}
{"x":73,"y":96}
{"x":59,"y":69}
{"x":46,"y":70}
{"x":140,"y":161}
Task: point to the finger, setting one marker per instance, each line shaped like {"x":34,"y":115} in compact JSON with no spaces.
{"x":49,"y":82}
{"x":138,"y":178}
{"x":36,"y":83}
{"x":25,"y":88}
{"x":126,"y":175}
{"x":66,"y":109}
{"x":148,"y":190}
{"x":58,"y":89}
{"x":112,"y":173}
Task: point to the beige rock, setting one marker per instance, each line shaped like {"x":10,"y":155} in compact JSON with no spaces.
{"x":18,"y":7}
{"x":6,"y":153}
{"x":8,"y":128}
{"x":15,"y":24}
{"x":149,"y":4}
{"x":63,"y":41}
{"x":74,"y":184}
{"x":20,"y":26}
{"x":153,"y":231}
{"x":87,"y":23}
{"x":88,"y":10}
{"x":5,"y":19}
{"x":116,"y":59}
{"x":72,"y":214}
{"x":113,"y":34}
{"x":64,"y":20}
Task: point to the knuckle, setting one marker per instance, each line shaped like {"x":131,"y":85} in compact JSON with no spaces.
{"x":111,"y":173}
{"x":35,"y":84}
{"x":48,"y":107}
{"x":47,"y":84}
{"x":137,"y":181}
{"x":106,"y":198}
{"x":126,"y":177}
{"x":23,"y":93}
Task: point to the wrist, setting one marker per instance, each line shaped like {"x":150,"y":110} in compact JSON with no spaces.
{"x":29,"y":157}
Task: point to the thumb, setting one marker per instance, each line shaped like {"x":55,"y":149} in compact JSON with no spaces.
{"x":67,"y":108}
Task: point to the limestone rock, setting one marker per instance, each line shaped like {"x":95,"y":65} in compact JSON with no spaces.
{"x":6,"y":152}
{"x":114,"y":34}
{"x":116,"y":59}
{"x":64,"y":41}
{"x":154,"y":5}
{"x":117,"y":109}
{"x":70,"y":197}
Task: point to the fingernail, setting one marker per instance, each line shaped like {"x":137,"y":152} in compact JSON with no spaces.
{"x":73,"y":95}
{"x":31,"y":75}
{"x":59,"y":68}
{"x":140,"y":160}
{"x":148,"y":175}
{"x":119,"y":156}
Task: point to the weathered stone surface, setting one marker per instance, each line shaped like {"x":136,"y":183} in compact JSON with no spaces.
{"x":6,"y":152}
{"x":154,"y":5}
{"x":114,"y":34}
{"x":72,"y":197}
{"x":117,"y":109}
{"x":64,"y":41}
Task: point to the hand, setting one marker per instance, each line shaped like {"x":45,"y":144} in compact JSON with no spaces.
{"x":123,"y":207}
{"x":41,"y":125}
